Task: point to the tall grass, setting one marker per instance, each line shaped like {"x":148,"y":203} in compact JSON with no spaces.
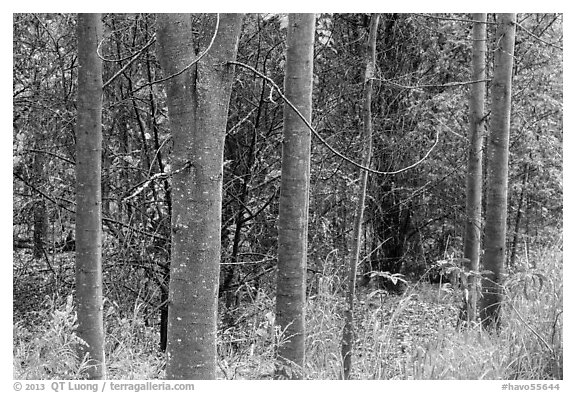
{"x":529,"y":343}
{"x":49,"y":351}
{"x":413,"y":336}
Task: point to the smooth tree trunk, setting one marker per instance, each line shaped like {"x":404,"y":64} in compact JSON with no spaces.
{"x":294,"y":190}
{"x":197,"y":107}
{"x":348,"y":332}
{"x":497,"y":172}
{"x":88,"y":196}
{"x":473,"y":232}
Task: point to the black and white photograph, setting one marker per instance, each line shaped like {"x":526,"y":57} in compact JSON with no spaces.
{"x":287,"y":196}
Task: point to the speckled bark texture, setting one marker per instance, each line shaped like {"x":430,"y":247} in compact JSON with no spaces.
{"x":197,"y":107}
{"x":88,"y":195}
{"x":474,"y":170}
{"x":293,"y":208}
{"x":497,"y":168}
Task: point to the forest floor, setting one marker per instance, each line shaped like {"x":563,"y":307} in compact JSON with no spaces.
{"x":410,"y":336}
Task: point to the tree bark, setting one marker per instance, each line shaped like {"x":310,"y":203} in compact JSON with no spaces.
{"x":294,"y":190}
{"x":40,"y":213}
{"x":198,"y":101}
{"x":348,"y":333}
{"x":514,"y":247}
{"x":474,"y":171}
{"x":497,"y":188}
{"x":88,"y":195}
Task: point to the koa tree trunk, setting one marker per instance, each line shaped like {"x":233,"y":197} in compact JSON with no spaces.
{"x":198,"y":101}
{"x":473,"y":229}
{"x":294,"y":189}
{"x":497,"y":165}
{"x":348,"y":332}
{"x":88,"y":196}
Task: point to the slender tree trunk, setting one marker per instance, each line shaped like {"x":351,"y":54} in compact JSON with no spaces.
{"x":40,"y":214}
{"x":348,"y":333}
{"x":198,"y":101}
{"x":88,"y":195}
{"x":164,"y":295}
{"x":497,"y":188}
{"x":294,"y":189}
{"x":474,"y":171}
{"x":514,"y":247}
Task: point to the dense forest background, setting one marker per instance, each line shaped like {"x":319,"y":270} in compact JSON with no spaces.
{"x":413,"y":224}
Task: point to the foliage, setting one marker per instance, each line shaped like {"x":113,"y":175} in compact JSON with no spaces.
{"x":48,"y":351}
{"x":413,"y":219}
{"x":413,"y":336}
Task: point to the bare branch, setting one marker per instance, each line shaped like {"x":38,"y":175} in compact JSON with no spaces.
{"x":453,"y":19}
{"x":48,"y":153}
{"x":420,"y":87}
{"x":538,"y":38}
{"x":135,"y":56}
{"x":233,"y":129}
{"x":162,"y":175}
{"x":322,"y":140}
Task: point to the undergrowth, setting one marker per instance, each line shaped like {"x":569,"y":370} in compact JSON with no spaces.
{"x":412,"y":336}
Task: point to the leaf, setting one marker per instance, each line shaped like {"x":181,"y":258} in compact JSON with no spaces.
{"x":376,"y":292}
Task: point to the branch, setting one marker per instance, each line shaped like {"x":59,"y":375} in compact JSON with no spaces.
{"x":450,"y":84}
{"x":189,"y":65}
{"x":249,"y":262}
{"x":46,"y":152}
{"x":453,"y":19}
{"x":152,"y":40}
{"x":162,"y":175}
{"x":322,"y":140}
{"x":233,"y":129}
{"x":43,"y":194}
{"x":538,"y":38}
{"x":169,"y":137}
{"x":122,"y":224}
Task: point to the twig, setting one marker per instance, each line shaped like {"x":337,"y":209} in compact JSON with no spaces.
{"x":135,"y":56}
{"x":418,"y":87}
{"x":44,"y":195}
{"x":67,"y":160}
{"x":538,"y":38}
{"x":453,"y":19}
{"x":162,"y":175}
{"x":158,"y":152}
{"x":249,"y":262}
{"x":231,"y":130}
{"x":112,"y":221}
{"x":322,"y":140}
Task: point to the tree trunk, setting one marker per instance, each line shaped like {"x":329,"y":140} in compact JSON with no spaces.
{"x":198,"y":101}
{"x":474,"y":171}
{"x":294,"y":189}
{"x":348,"y":333}
{"x":514,"y":247}
{"x":40,"y":214}
{"x":88,"y":195}
{"x":497,"y":188}
{"x":164,"y":295}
